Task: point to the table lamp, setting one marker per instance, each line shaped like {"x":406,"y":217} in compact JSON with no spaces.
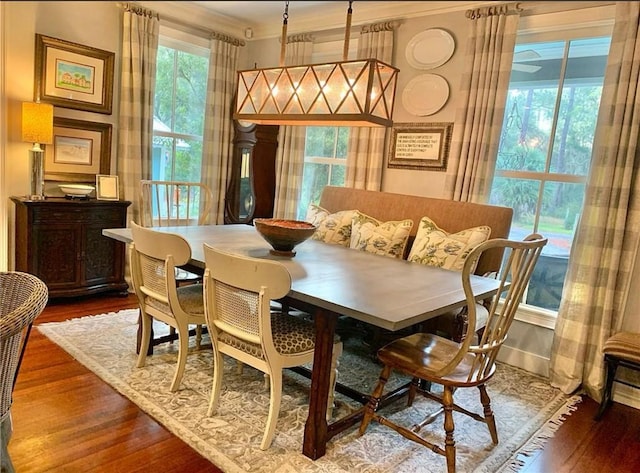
{"x":37,"y":128}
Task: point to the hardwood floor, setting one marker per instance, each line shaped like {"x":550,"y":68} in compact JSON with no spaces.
{"x":67,"y":420}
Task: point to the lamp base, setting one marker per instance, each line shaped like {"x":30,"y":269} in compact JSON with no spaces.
{"x":37,"y":174}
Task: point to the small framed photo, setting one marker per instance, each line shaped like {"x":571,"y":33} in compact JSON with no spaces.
{"x":71,"y":75}
{"x":80,"y":150}
{"x":422,"y":146}
{"x":107,"y":187}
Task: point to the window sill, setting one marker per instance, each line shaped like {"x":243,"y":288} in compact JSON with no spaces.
{"x":537,"y":316}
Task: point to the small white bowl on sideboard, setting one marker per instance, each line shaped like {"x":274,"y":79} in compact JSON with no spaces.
{"x":76,"y":190}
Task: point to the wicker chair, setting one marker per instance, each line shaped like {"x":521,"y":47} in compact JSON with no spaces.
{"x":22,"y":298}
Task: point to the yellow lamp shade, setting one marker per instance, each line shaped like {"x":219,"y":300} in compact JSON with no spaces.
{"x":37,"y":122}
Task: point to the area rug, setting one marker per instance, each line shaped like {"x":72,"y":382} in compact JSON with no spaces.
{"x":526,"y":407}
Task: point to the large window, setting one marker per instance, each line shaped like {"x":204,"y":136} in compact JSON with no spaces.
{"x":545,"y":149}
{"x":179,"y":110}
{"x":325,"y":155}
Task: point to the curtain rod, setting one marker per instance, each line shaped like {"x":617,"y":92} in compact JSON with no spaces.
{"x":188,"y":27}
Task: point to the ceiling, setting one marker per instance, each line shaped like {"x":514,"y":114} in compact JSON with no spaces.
{"x":264,"y":18}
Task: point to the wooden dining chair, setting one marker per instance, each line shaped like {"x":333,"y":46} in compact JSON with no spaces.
{"x":154,"y":256}
{"x":238,"y":292}
{"x":429,"y":358}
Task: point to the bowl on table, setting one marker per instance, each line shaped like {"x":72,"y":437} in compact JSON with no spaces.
{"x":283,"y":235}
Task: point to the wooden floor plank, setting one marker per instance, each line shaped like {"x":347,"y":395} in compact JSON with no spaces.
{"x":66,"y":419}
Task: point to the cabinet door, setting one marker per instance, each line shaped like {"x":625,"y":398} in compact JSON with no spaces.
{"x":57,"y":254}
{"x":102,"y":256}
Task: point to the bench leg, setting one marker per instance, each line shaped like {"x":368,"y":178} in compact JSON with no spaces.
{"x":612,"y":366}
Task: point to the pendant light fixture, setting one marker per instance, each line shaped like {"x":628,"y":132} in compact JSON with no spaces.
{"x":345,"y":93}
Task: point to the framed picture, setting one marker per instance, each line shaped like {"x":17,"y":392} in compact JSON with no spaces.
{"x":107,"y":187}
{"x":70,"y":75}
{"x":420,"y":146}
{"x":80,"y":150}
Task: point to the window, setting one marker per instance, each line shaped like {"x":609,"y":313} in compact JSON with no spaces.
{"x":545,"y":149}
{"x":179,"y":110}
{"x":325,"y":155}
{"x":325,"y":151}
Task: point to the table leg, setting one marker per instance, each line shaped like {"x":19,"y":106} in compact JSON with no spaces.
{"x":315,"y":430}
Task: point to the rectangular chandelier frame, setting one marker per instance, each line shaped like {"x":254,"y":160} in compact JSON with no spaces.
{"x":346,"y":93}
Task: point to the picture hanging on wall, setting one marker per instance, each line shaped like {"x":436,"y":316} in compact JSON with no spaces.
{"x":422,"y":146}
{"x":71,"y":75}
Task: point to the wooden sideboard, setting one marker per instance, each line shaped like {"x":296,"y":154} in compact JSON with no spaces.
{"x":60,"y":241}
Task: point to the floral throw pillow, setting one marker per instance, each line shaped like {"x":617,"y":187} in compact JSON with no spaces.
{"x":380,"y":238}
{"x":332,"y":228}
{"x":435,"y":247}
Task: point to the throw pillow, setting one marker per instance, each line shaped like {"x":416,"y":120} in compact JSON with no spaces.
{"x":381,"y":238}
{"x":332,"y":228}
{"x":435,"y":247}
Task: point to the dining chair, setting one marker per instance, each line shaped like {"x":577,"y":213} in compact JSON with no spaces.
{"x":175,"y":203}
{"x":154,"y":256}
{"x":432,"y":359}
{"x":22,"y":299}
{"x":238,"y":292}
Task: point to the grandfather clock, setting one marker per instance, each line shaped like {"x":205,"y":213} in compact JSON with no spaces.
{"x":251,"y":190}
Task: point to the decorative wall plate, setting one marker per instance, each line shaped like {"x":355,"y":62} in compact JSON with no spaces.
{"x":430,"y":48}
{"x":425,"y":94}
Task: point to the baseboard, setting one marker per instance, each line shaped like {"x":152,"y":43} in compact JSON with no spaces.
{"x":526,"y":360}
{"x":539,"y":365}
{"x":626,"y":395}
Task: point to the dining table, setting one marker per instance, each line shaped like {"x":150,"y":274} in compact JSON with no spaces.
{"x":329,"y":281}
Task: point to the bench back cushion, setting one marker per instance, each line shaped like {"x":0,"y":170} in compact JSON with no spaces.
{"x":450,"y":215}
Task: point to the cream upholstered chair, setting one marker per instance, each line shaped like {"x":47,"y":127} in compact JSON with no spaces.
{"x":238,"y":291}
{"x":176,"y":204}
{"x":154,"y":256}
{"x":22,"y":298}
{"x":434,"y":359}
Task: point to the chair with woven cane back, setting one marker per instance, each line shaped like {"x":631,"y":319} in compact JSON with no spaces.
{"x":22,"y":299}
{"x":154,"y":256}
{"x":171,"y":204}
{"x":429,"y":358}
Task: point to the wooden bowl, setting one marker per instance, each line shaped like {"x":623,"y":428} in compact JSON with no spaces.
{"x":283,"y":235}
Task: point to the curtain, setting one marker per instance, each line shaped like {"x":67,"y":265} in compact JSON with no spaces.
{"x":138,"y":75}
{"x":217,"y":148}
{"x":366,"y":148}
{"x":606,"y":243}
{"x":483,"y":93}
{"x":290,"y":154}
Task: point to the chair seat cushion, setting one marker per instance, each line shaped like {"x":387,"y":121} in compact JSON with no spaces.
{"x":291,"y":335}
{"x":625,"y":345}
{"x":424,"y":356}
{"x":190,"y":298}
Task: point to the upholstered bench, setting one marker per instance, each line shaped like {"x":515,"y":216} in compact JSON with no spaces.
{"x":452,"y":217}
{"x":621,"y":349}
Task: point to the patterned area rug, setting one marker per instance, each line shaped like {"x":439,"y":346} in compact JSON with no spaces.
{"x":526,"y":407}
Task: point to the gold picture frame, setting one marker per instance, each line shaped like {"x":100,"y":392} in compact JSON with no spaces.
{"x":423,"y":146}
{"x":71,"y":75}
{"x":80,"y":150}
{"x":107,"y":187}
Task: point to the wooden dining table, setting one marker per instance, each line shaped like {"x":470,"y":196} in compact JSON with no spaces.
{"x":331,"y":280}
